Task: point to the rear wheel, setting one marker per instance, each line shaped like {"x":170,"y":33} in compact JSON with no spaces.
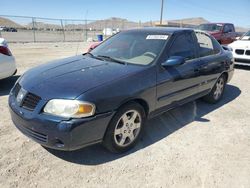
{"x":217,"y":91}
{"x":125,"y":128}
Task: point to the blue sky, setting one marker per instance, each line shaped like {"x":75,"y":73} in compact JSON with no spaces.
{"x":235,"y":11}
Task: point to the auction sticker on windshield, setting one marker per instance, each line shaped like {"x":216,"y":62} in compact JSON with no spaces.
{"x":157,"y":37}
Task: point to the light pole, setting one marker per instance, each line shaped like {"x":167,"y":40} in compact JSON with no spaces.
{"x":162,"y":3}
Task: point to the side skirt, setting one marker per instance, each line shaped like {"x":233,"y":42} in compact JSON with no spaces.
{"x":175,"y":104}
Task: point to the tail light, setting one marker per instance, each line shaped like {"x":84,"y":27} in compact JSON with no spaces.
{"x":5,"y":50}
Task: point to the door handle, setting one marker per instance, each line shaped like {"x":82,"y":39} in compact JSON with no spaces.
{"x":197,"y":69}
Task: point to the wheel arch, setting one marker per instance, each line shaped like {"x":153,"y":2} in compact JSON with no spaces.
{"x":139,"y":101}
{"x":226,"y":75}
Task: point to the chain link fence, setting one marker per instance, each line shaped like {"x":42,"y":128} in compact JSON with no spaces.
{"x":35,"y":29}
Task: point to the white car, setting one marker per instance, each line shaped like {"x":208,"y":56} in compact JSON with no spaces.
{"x":241,"y":50}
{"x":7,"y":61}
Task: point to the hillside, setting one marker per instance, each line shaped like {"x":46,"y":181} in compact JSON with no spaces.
{"x":9,"y":23}
{"x":110,"y":23}
{"x":107,"y":23}
{"x":42,"y":25}
{"x":191,"y":21}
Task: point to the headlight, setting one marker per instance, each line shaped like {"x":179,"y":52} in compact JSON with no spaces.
{"x":69,"y":108}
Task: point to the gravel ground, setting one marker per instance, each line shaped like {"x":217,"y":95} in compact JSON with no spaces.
{"x":196,"y":145}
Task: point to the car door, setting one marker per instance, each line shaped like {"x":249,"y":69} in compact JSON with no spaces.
{"x":211,"y":62}
{"x":232,"y":33}
{"x":174,"y":84}
{"x":226,"y":35}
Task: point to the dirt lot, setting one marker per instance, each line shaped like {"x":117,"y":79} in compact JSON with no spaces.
{"x":196,"y":145}
{"x":48,"y":36}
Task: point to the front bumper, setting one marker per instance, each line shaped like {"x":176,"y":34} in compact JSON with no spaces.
{"x":241,"y":59}
{"x":59,"y":134}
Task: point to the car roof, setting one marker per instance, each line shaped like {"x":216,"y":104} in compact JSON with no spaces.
{"x":168,"y":30}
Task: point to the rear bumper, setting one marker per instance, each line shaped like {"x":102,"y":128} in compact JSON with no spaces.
{"x":8,"y":73}
{"x":7,"y":66}
{"x":61,"y":135}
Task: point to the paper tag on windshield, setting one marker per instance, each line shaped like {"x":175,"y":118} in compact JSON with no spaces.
{"x":157,"y":37}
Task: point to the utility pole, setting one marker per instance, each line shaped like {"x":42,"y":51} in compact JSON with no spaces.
{"x":33,"y":28}
{"x":162,"y":3}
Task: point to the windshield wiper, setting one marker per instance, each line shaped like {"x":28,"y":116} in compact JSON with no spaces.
{"x":92,"y":55}
{"x":89,"y":53}
{"x":111,"y":59}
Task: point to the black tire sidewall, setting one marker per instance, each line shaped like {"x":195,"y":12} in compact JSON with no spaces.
{"x":210,"y":97}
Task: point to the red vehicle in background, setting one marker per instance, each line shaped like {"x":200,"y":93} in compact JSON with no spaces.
{"x":94,"y":45}
{"x":224,"y":33}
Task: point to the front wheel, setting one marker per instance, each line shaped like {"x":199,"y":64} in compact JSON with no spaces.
{"x":217,"y":91}
{"x":125,"y":128}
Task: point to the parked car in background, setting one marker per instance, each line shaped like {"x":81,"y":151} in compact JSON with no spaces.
{"x":12,"y":29}
{"x":106,"y":95}
{"x":224,"y":33}
{"x":8,"y":29}
{"x":7,"y":61}
{"x":93,"y":46}
{"x":241,"y":50}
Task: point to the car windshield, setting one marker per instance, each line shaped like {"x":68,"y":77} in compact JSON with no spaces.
{"x":246,"y":36}
{"x":133,"y":47}
{"x":210,"y":27}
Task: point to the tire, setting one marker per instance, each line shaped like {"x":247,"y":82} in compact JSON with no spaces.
{"x":217,"y":91}
{"x":123,"y":132}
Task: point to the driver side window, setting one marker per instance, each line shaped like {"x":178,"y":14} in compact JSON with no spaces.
{"x":183,"y":46}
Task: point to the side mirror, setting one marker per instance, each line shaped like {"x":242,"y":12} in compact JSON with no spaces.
{"x":173,"y":61}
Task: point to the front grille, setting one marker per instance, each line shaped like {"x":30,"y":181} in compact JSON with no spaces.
{"x":247,"y":52}
{"x":239,"y":52}
{"x":33,"y":134}
{"x":30,"y":101}
{"x":242,"y":60}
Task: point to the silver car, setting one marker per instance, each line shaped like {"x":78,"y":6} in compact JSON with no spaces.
{"x":7,"y":61}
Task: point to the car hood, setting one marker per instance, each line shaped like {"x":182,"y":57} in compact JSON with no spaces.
{"x":69,"y":78}
{"x":242,"y":44}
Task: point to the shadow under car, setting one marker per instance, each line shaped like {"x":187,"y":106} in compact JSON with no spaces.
{"x":7,"y":84}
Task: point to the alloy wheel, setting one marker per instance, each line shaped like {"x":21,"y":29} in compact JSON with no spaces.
{"x":127,"y":128}
{"x":219,"y":88}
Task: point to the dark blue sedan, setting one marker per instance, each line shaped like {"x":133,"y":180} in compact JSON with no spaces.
{"x":106,"y":95}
